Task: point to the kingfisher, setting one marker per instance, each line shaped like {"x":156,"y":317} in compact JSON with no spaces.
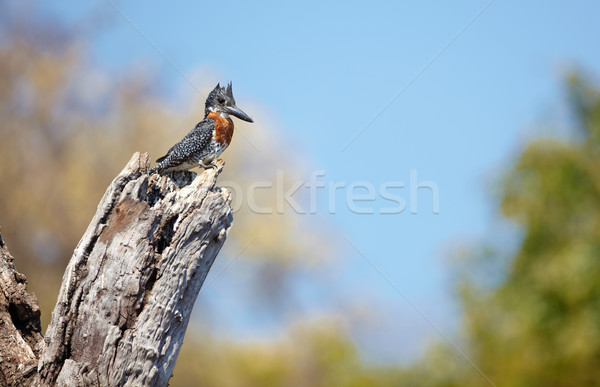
{"x":209,"y":138}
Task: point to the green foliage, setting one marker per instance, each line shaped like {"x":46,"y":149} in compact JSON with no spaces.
{"x":541,"y":326}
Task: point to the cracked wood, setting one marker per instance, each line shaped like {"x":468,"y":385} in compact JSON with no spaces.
{"x":128,"y":291}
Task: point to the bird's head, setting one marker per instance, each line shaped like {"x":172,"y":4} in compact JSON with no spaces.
{"x":221,"y":100}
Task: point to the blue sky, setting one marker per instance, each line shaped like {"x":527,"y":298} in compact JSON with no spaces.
{"x":464,"y":102}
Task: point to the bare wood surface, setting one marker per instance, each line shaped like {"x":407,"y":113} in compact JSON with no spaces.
{"x":128,"y":291}
{"x":20,"y":330}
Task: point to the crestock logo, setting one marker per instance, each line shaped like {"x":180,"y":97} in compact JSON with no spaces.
{"x":360,"y":197}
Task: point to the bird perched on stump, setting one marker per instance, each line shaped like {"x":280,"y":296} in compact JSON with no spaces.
{"x":211,"y":136}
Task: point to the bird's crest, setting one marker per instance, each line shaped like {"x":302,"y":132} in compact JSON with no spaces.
{"x":220,"y":96}
{"x":228,"y":91}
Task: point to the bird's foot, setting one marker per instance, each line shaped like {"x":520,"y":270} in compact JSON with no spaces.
{"x":210,"y":165}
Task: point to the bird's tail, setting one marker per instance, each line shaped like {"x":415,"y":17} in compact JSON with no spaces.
{"x":158,"y":167}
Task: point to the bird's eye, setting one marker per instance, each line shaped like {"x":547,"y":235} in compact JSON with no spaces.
{"x":221,"y":100}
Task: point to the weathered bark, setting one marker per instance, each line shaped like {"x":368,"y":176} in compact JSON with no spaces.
{"x":128,"y":291}
{"x":20,"y":329}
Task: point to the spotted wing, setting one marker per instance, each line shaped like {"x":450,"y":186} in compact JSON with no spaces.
{"x":189,"y":150}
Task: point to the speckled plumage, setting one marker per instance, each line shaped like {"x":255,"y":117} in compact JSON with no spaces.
{"x":209,"y":138}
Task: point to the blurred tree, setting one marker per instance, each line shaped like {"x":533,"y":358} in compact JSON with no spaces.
{"x":61,"y":145}
{"x":540,"y":324}
{"x":315,"y":354}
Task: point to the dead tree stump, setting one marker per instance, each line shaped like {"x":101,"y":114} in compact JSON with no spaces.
{"x":20,"y":330}
{"x":128,"y":291}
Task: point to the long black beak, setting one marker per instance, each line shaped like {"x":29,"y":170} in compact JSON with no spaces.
{"x":237,"y":112}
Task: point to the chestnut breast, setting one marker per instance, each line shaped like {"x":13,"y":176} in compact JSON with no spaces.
{"x":223,"y":128}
